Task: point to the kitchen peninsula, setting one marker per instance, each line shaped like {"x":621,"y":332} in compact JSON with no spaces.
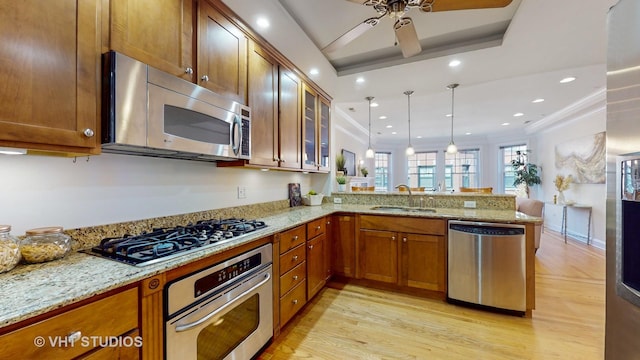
{"x":32,"y":293}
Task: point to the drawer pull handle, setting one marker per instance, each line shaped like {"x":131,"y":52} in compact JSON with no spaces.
{"x":295,"y":301}
{"x":295,"y":238}
{"x":74,"y":336}
{"x":318,"y":228}
{"x":295,"y":258}
{"x":295,"y":277}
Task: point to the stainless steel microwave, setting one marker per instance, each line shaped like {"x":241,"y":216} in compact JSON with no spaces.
{"x":149,"y":112}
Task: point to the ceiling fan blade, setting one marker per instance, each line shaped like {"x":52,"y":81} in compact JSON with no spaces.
{"x":448,"y":5}
{"x":352,"y":34}
{"x":407,"y":37}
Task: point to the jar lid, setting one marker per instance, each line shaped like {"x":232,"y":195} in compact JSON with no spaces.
{"x":44,"y":230}
{"x":5,"y":228}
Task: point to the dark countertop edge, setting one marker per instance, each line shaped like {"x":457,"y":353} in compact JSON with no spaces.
{"x":277,"y":223}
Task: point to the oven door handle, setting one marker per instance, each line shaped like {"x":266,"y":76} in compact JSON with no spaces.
{"x":189,"y":326}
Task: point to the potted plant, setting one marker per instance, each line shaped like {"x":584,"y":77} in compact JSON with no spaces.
{"x":340,"y":163}
{"x":342,"y":182}
{"x":313,"y":198}
{"x":364,"y":171}
{"x":525,"y":173}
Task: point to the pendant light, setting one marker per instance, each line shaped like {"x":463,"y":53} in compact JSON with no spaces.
{"x":410,"y":150}
{"x":370,"y":153}
{"x":452,"y":148}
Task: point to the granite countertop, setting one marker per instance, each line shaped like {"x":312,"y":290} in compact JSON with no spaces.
{"x":31,"y":290}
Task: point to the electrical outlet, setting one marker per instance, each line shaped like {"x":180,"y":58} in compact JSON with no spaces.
{"x":337,"y":200}
{"x":470,"y":204}
{"x":242,"y":192}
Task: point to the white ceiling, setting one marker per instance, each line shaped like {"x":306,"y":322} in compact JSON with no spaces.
{"x":545,"y":41}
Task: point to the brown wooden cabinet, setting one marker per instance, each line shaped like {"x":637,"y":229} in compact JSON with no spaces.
{"x":222,"y":54}
{"x":324,"y":130}
{"x":343,"y":245}
{"x":95,"y":319}
{"x":404,"y":251}
{"x":290,"y":126}
{"x":156,"y":32}
{"x":316,"y":264}
{"x":315,"y":130}
{"x":293,"y":268}
{"x":49,"y":75}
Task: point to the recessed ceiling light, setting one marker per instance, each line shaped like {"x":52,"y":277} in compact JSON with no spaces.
{"x":389,"y":126}
{"x":506,"y":124}
{"x":374,"y":104}
{"x":518,"y":114}
{"x":467,"y":133}
{"x":262,"y":23}
{"x":567,"y":80}
{"x":382,"y":117}
{"x":454,"y":63}
{"x":539,"y":100}
{"x":314,"y":71}
{"x":419,"y":136}
{"x":360,"y":80}
{"x":448,"y":115}
{"x":393,"y":132}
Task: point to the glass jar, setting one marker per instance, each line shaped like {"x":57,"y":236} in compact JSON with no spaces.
{"x":9,"y":250}
{"x":45,"y":244}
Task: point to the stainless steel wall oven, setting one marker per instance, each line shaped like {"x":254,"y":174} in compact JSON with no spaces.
{"x":221,"y":312}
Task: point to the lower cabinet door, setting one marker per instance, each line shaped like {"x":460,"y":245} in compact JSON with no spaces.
{"x":379,"y":255}
{"x":422,"y":261}
{"x":316,"y":273}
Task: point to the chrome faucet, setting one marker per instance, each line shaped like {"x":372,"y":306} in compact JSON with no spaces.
{"x":409,"y":190}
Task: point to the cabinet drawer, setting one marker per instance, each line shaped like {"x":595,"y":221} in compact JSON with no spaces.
{"x":95,"y":319}
{"x":292,"y":302}
{"x":415,"y":225}
{"x":292,"y":258}
{"x":315,"y":228}
{"x":292,"y":278}
{"x":292,"y":238}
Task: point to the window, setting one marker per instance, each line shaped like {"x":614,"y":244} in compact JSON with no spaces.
{"x":461,"y":169}
{"x":382,"y":163}
{"x":422,"y":170}
{"x":508,"y":153}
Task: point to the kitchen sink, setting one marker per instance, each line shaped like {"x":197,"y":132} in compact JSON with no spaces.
{"x":402,"y":209}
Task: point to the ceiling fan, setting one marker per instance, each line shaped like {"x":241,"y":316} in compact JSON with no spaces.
{"x":403,"y":26}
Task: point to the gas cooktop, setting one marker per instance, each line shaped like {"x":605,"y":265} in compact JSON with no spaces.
{"x":162,"y":244}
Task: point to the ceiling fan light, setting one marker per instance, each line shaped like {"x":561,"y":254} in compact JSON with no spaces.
{"x":370,"y":153}
{"x":452,"y":148}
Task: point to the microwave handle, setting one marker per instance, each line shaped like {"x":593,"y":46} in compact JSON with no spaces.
{"x":186,"y":327}
{"x":236,"y":135}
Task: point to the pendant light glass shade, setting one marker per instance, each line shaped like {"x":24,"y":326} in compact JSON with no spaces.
{"x":452,"y":148}
{"x":370,"y":153}
{"x":410,"y":151}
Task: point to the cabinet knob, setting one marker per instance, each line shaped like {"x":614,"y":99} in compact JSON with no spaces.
{"x":205,"y":78}
{"x":318,"y":227}
{"x":295,"y":301}
{"x":310,"y":247}
{"x":282,"y":160}
{"x":188,"y":71}
{"x":276,"y":159}
{"x":88,"y":132}
{"x":328,"y":222}
{"x":393,"y":238}
{"x":295,"y":277}
{"x":404,"y":239}
{"x":295,"y":238}
{"x":74,"y":336}
{"x":295,"y":258}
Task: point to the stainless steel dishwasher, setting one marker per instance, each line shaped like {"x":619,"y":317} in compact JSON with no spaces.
{"x":486,"y":265}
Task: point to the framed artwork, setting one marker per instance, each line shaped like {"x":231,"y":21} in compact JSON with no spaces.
{"x":583,"y":158}
{"x":349,"y":162}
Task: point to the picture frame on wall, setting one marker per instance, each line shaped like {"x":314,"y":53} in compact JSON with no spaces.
{"x":349,"y":162}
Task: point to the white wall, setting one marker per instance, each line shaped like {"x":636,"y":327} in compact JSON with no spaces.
{"x":587,"y":120}
{"x":43,"y":191}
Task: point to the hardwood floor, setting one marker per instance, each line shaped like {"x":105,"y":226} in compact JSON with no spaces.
{"x":355,"y":322}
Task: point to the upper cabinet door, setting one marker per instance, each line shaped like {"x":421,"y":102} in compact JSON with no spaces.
{"x":324,"y":160}
{"x":156,"y":32}
{"x":289,"y":120}
{"x":50,"y":61}
{"x":222,"y":55}
{"x":263,"y":100}
{"x":309,"y":128}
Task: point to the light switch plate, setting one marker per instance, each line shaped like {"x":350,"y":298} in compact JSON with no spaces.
{"x":242,"y":192}
{"x":470,"y":204}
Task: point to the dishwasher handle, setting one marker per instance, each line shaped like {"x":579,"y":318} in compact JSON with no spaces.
{"x":492,"y":230}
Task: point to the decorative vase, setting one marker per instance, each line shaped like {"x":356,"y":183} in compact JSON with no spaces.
{"x":561,"y":197}
{"x":342,"y":187}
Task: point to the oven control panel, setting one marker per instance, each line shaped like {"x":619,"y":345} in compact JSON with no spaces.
{"x":214,"y":280}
